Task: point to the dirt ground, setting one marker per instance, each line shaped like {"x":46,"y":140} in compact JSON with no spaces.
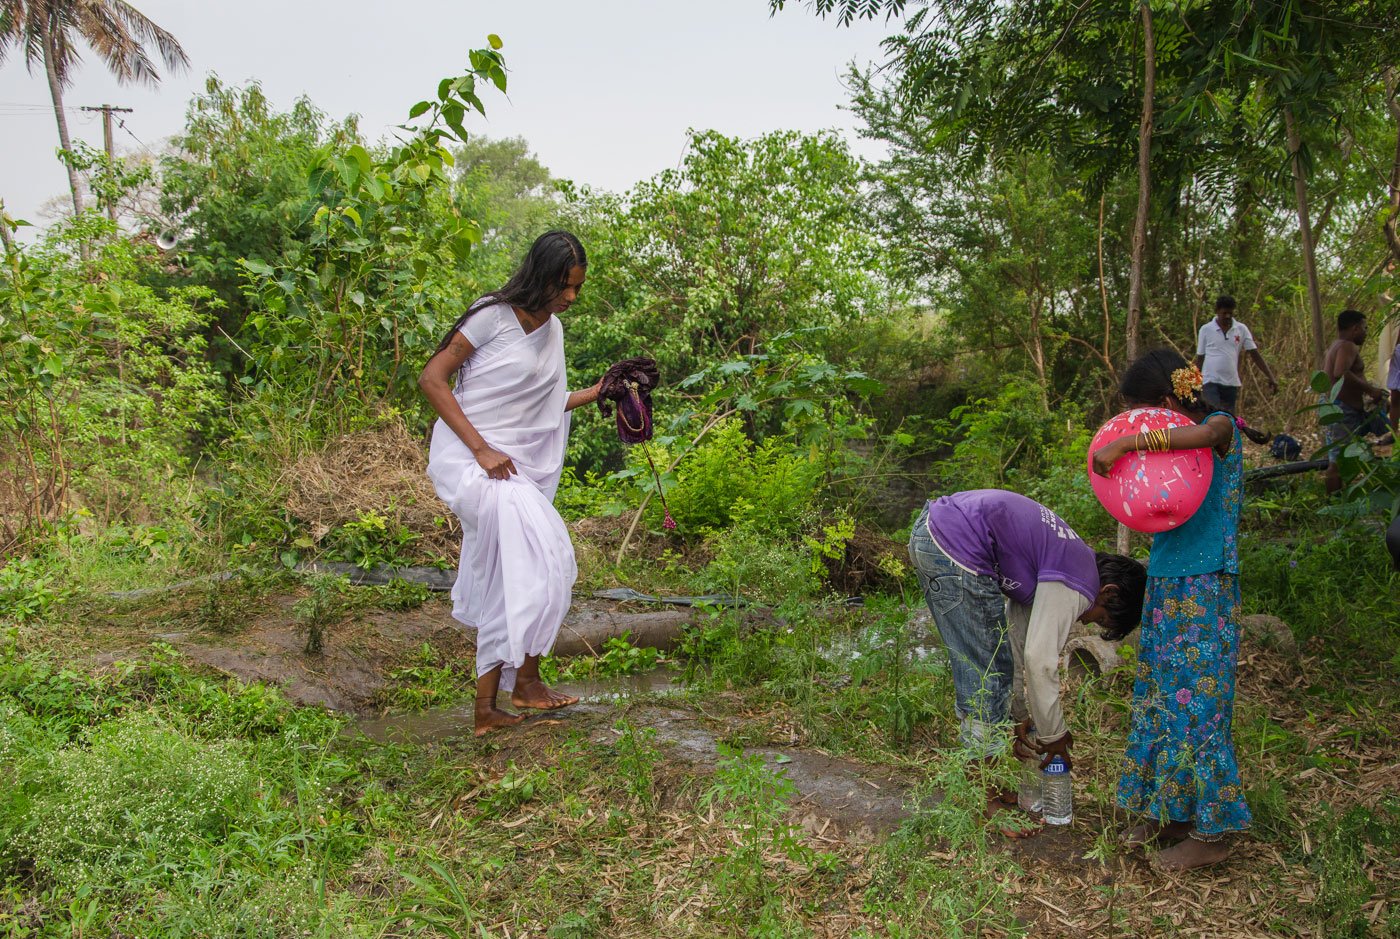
{"x":261,"y":639}
{"x":841,"y":798}
{"x":1073,"y":884}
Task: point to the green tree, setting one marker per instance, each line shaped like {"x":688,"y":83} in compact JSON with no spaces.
{"x":48,"y":31}
{"x":1224,"y":86}
{"x":234,"y":186}
{"x":745,"y":240}
{"x":1302,"y":63}
{"x":344,"y":317}
{"x":104,"y":379}
{"x":512,"y":196}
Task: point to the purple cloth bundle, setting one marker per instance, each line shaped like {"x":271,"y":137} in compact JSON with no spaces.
{"x":627,"y":385}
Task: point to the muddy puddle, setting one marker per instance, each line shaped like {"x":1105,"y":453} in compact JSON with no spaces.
{"x":446,"y":723}
{"x":838,"y":798}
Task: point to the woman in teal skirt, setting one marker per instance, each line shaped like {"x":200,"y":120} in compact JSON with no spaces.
{"x":1179,"y":770}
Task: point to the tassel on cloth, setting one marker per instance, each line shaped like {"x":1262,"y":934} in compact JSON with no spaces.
{"x":670,"y":523}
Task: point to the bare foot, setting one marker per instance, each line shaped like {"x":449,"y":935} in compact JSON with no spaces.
{"x":1191,"y":854}
{"x":1150,"y":831}
{"x":490,"y":717}
{"x":1009,"y":820}
{"x":538,"y":695}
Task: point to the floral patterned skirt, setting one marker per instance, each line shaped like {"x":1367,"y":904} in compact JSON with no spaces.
{"x":1180,"y":760}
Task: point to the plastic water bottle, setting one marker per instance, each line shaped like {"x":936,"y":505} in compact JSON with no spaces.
{"x":1057,"y":792}
{"x":1028,"y":796}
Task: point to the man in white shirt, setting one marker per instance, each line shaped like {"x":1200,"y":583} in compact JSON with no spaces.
{"x":1218,"y":348}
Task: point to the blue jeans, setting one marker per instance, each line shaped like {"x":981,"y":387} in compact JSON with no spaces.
{"x":1225,"y":395}
{"x":970,"y":612}
{"x":1354,"y":425}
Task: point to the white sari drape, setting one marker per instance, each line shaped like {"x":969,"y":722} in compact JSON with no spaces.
{"x":517,"y":569}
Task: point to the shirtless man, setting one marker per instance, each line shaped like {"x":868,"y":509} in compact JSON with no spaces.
{"x":1343,"y":361}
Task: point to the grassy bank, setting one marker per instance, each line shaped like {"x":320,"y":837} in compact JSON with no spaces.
{"x":150,"y":796}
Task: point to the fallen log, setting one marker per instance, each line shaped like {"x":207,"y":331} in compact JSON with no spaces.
{"x":586,"y":630}
{"x":1283,"y":469}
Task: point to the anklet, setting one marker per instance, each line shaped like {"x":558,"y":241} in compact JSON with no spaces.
{"x":1195,"y":835}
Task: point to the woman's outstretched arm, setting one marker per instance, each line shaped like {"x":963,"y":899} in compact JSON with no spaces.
{"x":578,"y":399}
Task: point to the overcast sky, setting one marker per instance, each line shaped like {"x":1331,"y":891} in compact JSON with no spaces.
{"x":603,"y":90}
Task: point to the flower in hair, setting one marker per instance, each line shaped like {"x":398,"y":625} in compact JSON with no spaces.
{"x":1186,"y":382}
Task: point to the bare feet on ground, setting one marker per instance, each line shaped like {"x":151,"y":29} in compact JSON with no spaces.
{"x":489,"y":718}
{"x":1190,"y":854}
{"x":1150,"y":831}
{"x":1008,"y":819}
{"x":538,"y":695}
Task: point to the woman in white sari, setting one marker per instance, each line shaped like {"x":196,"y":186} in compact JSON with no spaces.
{"x":496,"y":457}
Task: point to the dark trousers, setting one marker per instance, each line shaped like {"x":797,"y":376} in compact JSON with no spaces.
{"x":1225,"y":395}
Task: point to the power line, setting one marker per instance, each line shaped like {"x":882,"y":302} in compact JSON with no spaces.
{"x":144,"y":146}
{"x":37,"y":107}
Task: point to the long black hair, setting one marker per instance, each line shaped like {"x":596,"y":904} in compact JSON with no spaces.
{"x":1149,"y":379}
{"x":540,"y":279}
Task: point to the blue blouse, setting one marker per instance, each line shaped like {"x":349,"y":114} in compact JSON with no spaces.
{"x":1205,"y":543}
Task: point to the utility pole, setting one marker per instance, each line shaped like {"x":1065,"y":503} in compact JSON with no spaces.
{"x":109,"y":146}
{"x":5,"y":238}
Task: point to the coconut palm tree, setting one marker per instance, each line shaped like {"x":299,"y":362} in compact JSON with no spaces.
{"x":47,"y":31}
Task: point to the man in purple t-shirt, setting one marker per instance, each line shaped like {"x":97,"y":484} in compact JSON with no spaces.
{"x":1005,"y":578}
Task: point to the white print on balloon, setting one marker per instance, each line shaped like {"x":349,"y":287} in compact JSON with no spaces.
{"x":1151,"y":491}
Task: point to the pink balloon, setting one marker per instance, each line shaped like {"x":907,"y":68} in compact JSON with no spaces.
{"x":1151,"y":492}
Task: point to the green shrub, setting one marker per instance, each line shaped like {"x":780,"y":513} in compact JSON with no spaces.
{"x":61,"y":699}
{"x":426,"y":682}
{"x":398,"y":595}
{"x":1012,"y":439}
{"x":27,"y":591}
{"x":753,"y":801}
{"x":105,"y":379}
{"x":1324,"y":581}
{"x":321,"y":608}
{"x":370,"y":540}
{"x":231,"y":709}
{"x":138,"y":795}
{"x":592,"y":495}
{"x":756,"y":563}
{"x":728,"y":480}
